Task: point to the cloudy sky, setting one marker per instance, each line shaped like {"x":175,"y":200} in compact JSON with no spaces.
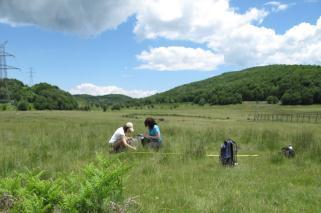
{"x":140,"y":47}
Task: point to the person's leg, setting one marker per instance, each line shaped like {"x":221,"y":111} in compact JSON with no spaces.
{"x":145,"y":142}
{"x":155,"y":145}
{"x":118,"y":146}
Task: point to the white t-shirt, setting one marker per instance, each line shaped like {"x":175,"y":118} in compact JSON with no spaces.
{"x":119,"y":133}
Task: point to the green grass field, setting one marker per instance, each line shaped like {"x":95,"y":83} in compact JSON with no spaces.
{"x":65,"y":141}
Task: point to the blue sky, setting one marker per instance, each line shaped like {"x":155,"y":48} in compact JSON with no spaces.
{"x":141,"y":47}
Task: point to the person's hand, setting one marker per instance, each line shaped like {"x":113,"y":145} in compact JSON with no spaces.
{"x":146,"y":135}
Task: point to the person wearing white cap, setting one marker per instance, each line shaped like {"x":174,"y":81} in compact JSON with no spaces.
{"x":119,"y":140}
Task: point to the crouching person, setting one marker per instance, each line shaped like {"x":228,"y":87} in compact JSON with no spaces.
{"x":120,"y":139}
{"x":153,"y":137}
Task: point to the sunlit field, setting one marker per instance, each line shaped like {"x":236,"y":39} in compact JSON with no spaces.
{"x":189,"y":181}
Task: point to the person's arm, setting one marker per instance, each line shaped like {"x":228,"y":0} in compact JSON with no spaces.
{"x":126,"y":144}
{"x":153,"y":137}
{"x":157,"y":136}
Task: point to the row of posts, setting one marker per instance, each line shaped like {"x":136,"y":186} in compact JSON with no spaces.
{"x":310,"y":117}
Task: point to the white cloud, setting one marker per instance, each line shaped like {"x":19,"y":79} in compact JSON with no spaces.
{"x":91,"y":89}
{"x":194,"y":20}
{"x":277,"y":6}
{"x":179,"y":58}
{"x":74,"y":16}
{"x":239,"y":37}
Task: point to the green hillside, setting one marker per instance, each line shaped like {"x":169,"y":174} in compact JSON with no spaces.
{"x":289,"y":84}
{"x":41,"y":96}
{"x":292,"y":84}
{"x":45,"y":96}
{"x":111,"y":99}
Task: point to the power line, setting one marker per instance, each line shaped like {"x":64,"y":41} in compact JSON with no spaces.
{"x":3,"y":61}
{"x":5,"y":94}
{"x":31,"y":72}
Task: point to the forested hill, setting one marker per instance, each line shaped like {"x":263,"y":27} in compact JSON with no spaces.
{"x":45,"y":96}
{"x":111,"y":99}
{"x":289,"y":84}
{"x":292,"y":84}
{"x":40,"y":96}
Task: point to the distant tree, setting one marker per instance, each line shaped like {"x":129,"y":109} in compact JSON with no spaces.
{"x":147,"y":102}
{"x":202,"y":102}
{"x":23,"y":105}
{"x":317,"y":96}
{"x":87,"y":108}
{"x":272,"y":100}
{"x":4,"y":94}
{"x":40,"y":103}
{"x":116,"y":107}
{"x":104,"y":108}
{"x":307,"y":96}
{"x":214,"y":99}
{"x":196,"y":100}
{"x":291,"y":98}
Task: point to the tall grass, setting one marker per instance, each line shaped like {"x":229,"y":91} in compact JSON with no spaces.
{"x":189,"y":182}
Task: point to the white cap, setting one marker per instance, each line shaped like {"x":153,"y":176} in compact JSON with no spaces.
{"x":130,"y":126}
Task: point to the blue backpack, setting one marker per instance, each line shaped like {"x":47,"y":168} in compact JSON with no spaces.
{"x":228,"y":154}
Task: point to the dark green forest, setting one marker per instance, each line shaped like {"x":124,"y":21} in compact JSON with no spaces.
{"x":284,"y":84}
{"x":103,"y":100}
{"x":40,"y":96}
{"x":44,"y":96}
{"x":289,"y":84}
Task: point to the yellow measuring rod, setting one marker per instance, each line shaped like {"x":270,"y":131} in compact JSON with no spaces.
{"x":236,"y":155}
{"x":175,"y":153}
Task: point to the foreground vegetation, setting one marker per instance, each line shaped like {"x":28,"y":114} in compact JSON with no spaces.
{"x":63,"y":142}
{"x":94,"y":190}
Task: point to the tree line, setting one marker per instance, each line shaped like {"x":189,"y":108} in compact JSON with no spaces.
{"x":285,"y":84}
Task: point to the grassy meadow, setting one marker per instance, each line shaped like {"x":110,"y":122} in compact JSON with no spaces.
{"x":65,"y":141}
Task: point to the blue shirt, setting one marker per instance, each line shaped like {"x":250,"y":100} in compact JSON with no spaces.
{"x":154,"y":131}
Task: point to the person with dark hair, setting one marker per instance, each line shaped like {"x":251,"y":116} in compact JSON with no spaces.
{"x":119,"y":141}
{"x":153,"y":136}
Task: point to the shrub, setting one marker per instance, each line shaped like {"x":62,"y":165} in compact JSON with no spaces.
{"x":4,"y":107}
{"x":272,"y":100}
{"x":104,"y":108}
{"x":23,"y":106}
